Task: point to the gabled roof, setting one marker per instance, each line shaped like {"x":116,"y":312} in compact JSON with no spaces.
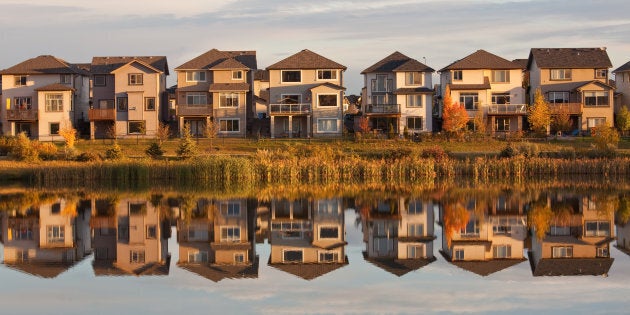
{"x":481,"y":59}
{"x":217,"y":273}
{"x":624,"y":67}
{"x":308,"y":271}
{"x":105,"y":65}
{"x":229,"y":64}
{"x":521,"y":62}
{"x":397,"y":62}
{"x":570,"y":266}
{"x":330,"y":85}
{"x":483,"y":268}
{"x":575,"y":58}
{"x":214,"y":57}
{"x":234,"y":87}
{"x":41,"y":269}
{"x":462,"y":87}
{"x":398,"y":267}
{"x":45,"y":64}
{"x":55,"y":87}
{"x":572,"y":86}
{"x":306,"y":59}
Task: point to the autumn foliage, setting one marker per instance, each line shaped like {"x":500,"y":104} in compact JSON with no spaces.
{"x":454,"y":115}
{"x":455,"y":219}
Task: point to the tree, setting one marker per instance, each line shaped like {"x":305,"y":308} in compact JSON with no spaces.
{"x":561,"y":121}
{"x":68,"y":133}
{"x":154,"y":150}
{"x":539,"y":115}
{"x":212,"y":130}
{"x":606,"y":138}
{"x":454,"y":115}
{"x":187,"y":147}
{"x":623,"y":120}
{"x":480,"y":123}
{"x":163,"y":132}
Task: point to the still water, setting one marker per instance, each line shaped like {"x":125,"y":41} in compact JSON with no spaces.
{"x":496,"y":249}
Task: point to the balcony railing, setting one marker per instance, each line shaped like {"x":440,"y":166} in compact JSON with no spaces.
{"x":288,"y":109}
{"x":102,"y":114}
{"x":22,"y":114}
{"x":571,"y":108}
{"x":382,"y":109}
{"x":507,"y":109}
{"x":194,"y":110}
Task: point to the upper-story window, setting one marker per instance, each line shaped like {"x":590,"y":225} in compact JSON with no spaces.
{"x":149,"y":103}
{"x":195,"y":76}
{"x":228,"y":100}
{"x":326,"y":74}
{"x":458,"y":75}
{"x":100,"y":80}
{"x":196,"y":98}
{"x":135,"y":79}
{"x":560,"y":74}
{"x":601,"y":73}
{"x":381,"y":83}
{"x":414,"y":100}
{"x":291,"y":76}
{"x":23,"y":102}
{"x":558,"y":97}
{"x":500,"y":76}
{"x":20,"y":80}
{"x":596,"y":98}
{"x":65,"y":79}
{"x":54,"y":102}
{"x":327,"y":99}
{"x":237,"y":75}
{"x":413,"y":78}
{"x":122,"y":102}
{"x":470,"y":100}
{"x":500,"y":98}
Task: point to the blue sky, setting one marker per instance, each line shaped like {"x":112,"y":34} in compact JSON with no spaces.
{"x":356,"y":33}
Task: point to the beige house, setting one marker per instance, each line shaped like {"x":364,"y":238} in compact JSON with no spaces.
{"x":488,"y":86}
{"x":216,"y":86}
{"x":128,"y":96}
{"x":574,"y":80}
{"x":398,"y":94}
{"x":305,"y":96}
{"x":622,"y":83}
{"x":42,"y":95}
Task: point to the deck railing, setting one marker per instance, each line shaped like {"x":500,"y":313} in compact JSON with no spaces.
{"x":300,"y":108}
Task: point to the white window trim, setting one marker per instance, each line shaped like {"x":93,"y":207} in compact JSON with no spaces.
{"x":290,"y":82}
{"x":335,"y":94}
{"x":328,"y":118}
{"x":292,"y":250}
{"x":507,"y":75}
{"x":240,"y":74}
{"x":421,"y":96}
{"x":230,"y":131}
{"x":319,"y":232}
{"x":231,"y":95}
{"x":320,"y":252}
{"x":331,"y":70}
{"x":196,"y":71}
{"x":228,"y":203}
{"x":240,"y":236}
{"x":419,"y":73}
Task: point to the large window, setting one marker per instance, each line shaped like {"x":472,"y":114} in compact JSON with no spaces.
{"x":381,"y":84}
{"x":136,"y":256}
{"x":149,"y":103}
{"x":502,"y":124}
{"x":230,"y":208}
{"x":596,"y":98}
{"x":330,"y":232}
{"x":558,"y":97}
{"x":137,"y":127}
{"x":54,"y":102}
{"x":291,"y":76}
{"x":501,"y":251}
{"x":196,"y":98}
{"x":23,"y":102}
{"x":413,"y":78}
{"x":22,"y":232}
{"x":500,"y":76}
{"x":123,"y":104}
{"x":415,"y":229}
{"x":328,"y":256}
{"x":597,"y":228}
{"x":230,"y":234}
{"x":414,"y":123}
{"x":327,"y":125}
{"x":237,"y":75}
{"x":500,"y":98}
{"x":228,"y":99}
{"x":414,"y":100}
{"x":471,"y":229}
{"x":293,"y":256}
{"x":197,"y":257}
{"x":327,"y":100}
{"x":100,"y":80}
{"x":290,"y":99}
{"x":326,"y":74}
{"x":415,"y":207}
{"x":229,"y":125}
{"x":469,"y":100}
{"x":592,"y":122}
{"x":55,"y":233}
{"x":135,"y":79}
{"x":458,"y":75}
{"x":415,"y":251}
{"x":195,"y":76}
{"x":560,"y":74}
{"x":20,"y":80}
{"x":562,"y":252}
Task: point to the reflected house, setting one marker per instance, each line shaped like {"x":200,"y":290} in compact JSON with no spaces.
{"x":578,"y":239}
{"x":307,"y":237}
{"x":130,"y":238}
{"x":216,"y":241}
{"x":398,"y":233}
{"x":492,"y":239}
{"x":45,"y":240}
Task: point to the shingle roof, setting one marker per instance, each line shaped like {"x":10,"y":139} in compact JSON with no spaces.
{"x":576,"y":58}
{"x":229,"y":64}
{"x":45,"y":64}
{"x":217,"y":87}
{"x":261,"y":75}
{"x":481,"y":59}
{"x":105,"y":65}
{"x":330,"y":85}
{"x":55,"y":87}
{"x":306,"y":59}
{"x":419,"y":90}
{"x":214,"y":57}
{"x":570,"y":266}
{"x":41,"y":269}
{"x":483,"y":268}
{"x":521,"y":62}
{"x":308,"y":271}
{"x":397,"y":62}
{"x":398,"y":267}
{"x":217,"y":273}
{"x":461,"y":87}
{"x":624,"y":67}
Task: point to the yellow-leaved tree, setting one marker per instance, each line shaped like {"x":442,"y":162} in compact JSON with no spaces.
{"x":539,"y":115}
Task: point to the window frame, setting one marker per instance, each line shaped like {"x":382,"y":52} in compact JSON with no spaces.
{"x":65,"y":79}
{"x":226,"y":127}
{"x":199,"y":256}
{"x":19,"y":100}
{"x":505,"y":97}
{"x":239,"y":258}
{"x":597,"y":121}
{"x":322,"y":256}
{"x":55,"y":234}
{"x":135,"y":79}
{"x":151,"y":231}
{"x":562,"y":252}
{"x":122,"y":103}
{"x":196,"y":96}
{"x":96,"y":80}
{"x":230,"y":208}
{"x":412,"y":101}
{"x":53,"y":105}
{"x":414,"y":119}
{"x":141,"y":131}
{"x":57,"y":126}
{"x":20,"y":80}
{"x":195,"y":76}
{"x":601,"y":73}
{"x":237,"y":75}
{"x":285,"y":251}
{"x":325,"y":95}
{"x":502,"y":251}
{"x":147,"y":103}
{"x":230,"y":238}
{"x":332,"y":227}
{"x":558,"y":93}
{"x":320,"y":75}
{"x":458,"y":75}
{"x":561,"y":74}
{"x":458,"y":254}
{"x":228,"y":99}
{"x":475,"y":100}
{"x":137,"y":256}
{"x":322,"y":130}
{"x":412,"y":76}
{"x":418,"y":251}
{"x":502,"y":124}
{"x":505,"y":77}
{"x":596,"y":96}
{"x":282,"y":76}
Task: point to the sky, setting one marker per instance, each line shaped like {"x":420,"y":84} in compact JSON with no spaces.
{"x":355,"y":33}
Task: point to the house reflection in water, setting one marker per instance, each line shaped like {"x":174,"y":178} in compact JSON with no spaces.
{"x":129,"y":238}
{"x":577,"y":241}
{"x":490,"y":236}
{"x":398,"y":233}
{"x":216,"y":239}
{"x":47,"y":239}
{"x":307,"y":238}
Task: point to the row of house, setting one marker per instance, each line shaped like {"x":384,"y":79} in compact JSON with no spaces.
{"x":217,"y":237}
{"x":302,"y":95}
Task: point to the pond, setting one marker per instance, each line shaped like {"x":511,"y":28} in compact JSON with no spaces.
{"x":550,"y":248}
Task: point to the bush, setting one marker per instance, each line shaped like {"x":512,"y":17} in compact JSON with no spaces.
{"x":114,"y":152}
{"x":88,"y":157}
{"x":6,"y":143}
{"x":154,"y":150}
{"x":23,"y":149}
{"x":528,"y":149}
{"x":46,"y":151}
{"x":435,"y":152}
{"x":509,"y":151}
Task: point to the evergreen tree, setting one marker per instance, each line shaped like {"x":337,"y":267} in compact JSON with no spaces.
{"x":187,"y":146}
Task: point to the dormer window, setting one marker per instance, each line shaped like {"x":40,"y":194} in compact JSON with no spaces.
{"x":326,"y":75}
{"x":560,"y":74}
{"x":195,"y":76}
{"x":458,"y":75}
{"x":237,"y":75}
{"x":291,"y":76}
{"x":601,"y":73}
{"x":20,"y":80}
{"x":413,"y":78}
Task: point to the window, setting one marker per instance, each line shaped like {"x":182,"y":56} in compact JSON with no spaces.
{"x":415,"y":229}
{"x":22,"y":232}
{"x":500,"y":76}
{"x":328,"y":256}
{"x":381,"y":84}
{"x":20,"y":80}
{"x":414,"y":100}
{"x":195,"y":76}
{"x":290,"y":76}
{"x":228,"y":100}
{"x":237,"y":74}
{"x":122,"y":103}
{"x":230,"y":208}
{"x":229,"y":125}
{"x":502,"y":124}
{"x":415,"y":207}
{"x":459,"y":254}
{"x":597,"y":228}
{"x":54,"y":102}
{"x":327,"y":100}
{"x":22,"y":102}
{"x":415,"y":251}
{"x":65,"y":78}
{"x":151,"y":231}
{"x":54,"y":128}
{"x":413,"y":78}
{"x":328,"y":206}
{"x":231,"y":234}
{"x":559,"y":230}
{"x":601,"y":73}
{"x":100,"y":80}
{"x":593,"y":122}
{"x":196,"y":98}
{"x":558,"y":97}
{"x":329,"y":232}
{"x":599,"y":98}
{"x":136,"y":256}
{"x":292,"y":256}
{"x":135,"y":79}
{"x":501,"y":251}
{"x":503,"y":226}
{"x":326,"y":74}
{"x":103,"y":104}
{"x":55,"y":233}
{"x":137,"y":127}
{"x":197,"y":257}
{"x":470,"y":100}
{"x":500,"y":98}
{"x":414,"y":123}
{"x":602,"y":252}
{"x":458,"y":75}
{"x":560,"y":74}
{"x":290,"y":99}
{"x":55,"y":208}
{"x":471,"y":229}
{"x":327,"y":125}
{"x":562,"y":252}
{"x":21,"y":255}
{"x":149,"y":103}
{"x":239,"y":258}
{"x":137,"y":208}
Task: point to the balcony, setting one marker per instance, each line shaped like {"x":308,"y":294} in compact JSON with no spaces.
{"x":382,"y":109}
{"x":194,"y":110}
{"x":572,"y":108}
{"x":290,"y":109}
{"x":102,"y":114}
{"x":22,"y":115}
{"x":507,"y":109}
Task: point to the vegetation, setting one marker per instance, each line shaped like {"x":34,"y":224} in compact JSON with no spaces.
{"x":623,"y":120}
{"x":454,"y":115}
{"x":187,"y":147}
{"x":606,"y":138}
{"x":561,"y":121}
{"x":539,"y":115}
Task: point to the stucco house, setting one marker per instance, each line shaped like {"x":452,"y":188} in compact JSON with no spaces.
{"x":622,"y":84}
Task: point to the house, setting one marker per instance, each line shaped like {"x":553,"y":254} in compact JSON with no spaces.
{"x":41,"y":95}
{"x":398,"y":95}
{"x":492,"y":238}
{"x":573,"y":81}
{"x":307,"y":238}
{"x":622,"y":83}
{"x":577,"y":241}
{"x":398,"y":234}
{"x":216,"y":87}
{"x":489,"y":87}
{"x":305,"y":96}
{"x":129,"y":96}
